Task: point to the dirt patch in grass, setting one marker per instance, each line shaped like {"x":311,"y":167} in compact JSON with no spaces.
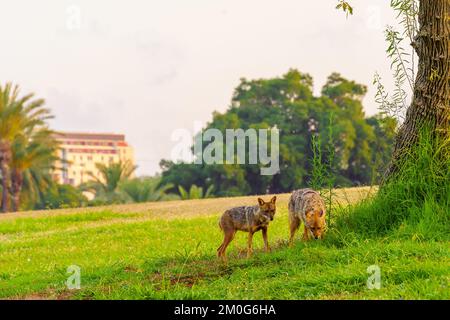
{"x":47,"y":295}
{"x":192,"y":273}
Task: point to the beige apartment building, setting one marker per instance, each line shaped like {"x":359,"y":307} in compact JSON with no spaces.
{"x":81,"y":151}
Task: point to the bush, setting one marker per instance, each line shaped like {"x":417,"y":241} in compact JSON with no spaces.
{"x":414,"y":203}
{"x":62,"y":196}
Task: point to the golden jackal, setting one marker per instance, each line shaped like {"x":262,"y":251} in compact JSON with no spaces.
{"x":249,"y":219}
{"x":307,"y":206}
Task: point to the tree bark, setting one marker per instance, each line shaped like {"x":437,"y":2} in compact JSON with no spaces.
{"x":16,"y":188}
{"x":5,"y":158}
{"x":431,"y":100}
{"x":5,"y":186}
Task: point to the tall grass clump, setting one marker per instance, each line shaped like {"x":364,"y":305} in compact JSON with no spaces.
{"x":323,"y":177}
{"x":414,"y":203}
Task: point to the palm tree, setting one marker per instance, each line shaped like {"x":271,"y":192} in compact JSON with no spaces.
{"x":31,"y":164}
{"x":147,"y":189}
{"x":195,"y":192}
{"x":106,"y":185}
{"x":17,"y":116}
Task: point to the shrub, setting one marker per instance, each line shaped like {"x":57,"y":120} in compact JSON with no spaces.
{"x":414,"y":203}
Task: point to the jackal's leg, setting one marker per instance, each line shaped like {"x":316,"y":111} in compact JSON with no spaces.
{"x":249,"y":244}
{"x":266,"y":242}
{"x":228,"y":236}
{"x":305,"y":234}
{"x":293,"y":226}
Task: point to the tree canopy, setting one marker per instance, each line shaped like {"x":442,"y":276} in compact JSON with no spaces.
{"x":361,"y":145}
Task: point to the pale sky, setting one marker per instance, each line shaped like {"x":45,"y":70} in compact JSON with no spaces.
{"x":146,"y":68}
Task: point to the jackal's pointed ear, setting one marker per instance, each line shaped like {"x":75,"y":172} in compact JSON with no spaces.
{"x":260,"y":201}
{"x":273,"y":199}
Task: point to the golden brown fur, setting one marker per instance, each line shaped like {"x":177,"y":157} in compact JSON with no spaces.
{"x":249,"y":219}
{"x":307,"y":206}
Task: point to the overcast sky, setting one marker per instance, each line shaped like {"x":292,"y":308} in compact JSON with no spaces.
{"x":146,"y":68}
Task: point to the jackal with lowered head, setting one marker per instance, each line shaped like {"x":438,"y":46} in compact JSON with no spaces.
{"x":307,"y":206}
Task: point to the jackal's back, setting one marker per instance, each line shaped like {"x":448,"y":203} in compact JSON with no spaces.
{"x":303,"y":200}
{"x":239,"y":218}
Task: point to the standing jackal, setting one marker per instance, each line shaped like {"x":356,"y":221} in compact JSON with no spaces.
{"x":248,"y":219}
{"x":307,"y":206}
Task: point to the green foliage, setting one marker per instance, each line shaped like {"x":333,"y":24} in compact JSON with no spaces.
{"x":390,"y":105}
{"x":288,"y":103}
{"x":61,"y":196}
{"x":319,"y":170}
{"x":32,"y":161}
{"x":22,"y":124}
{"x":323,"y":174}
{"x":146,"y":189}
{"x":105,"y":186}
{"x":384,"y":130}
{"x":195,"y":192}
{"x":407,"y":15}
{"x":415,"y":203}
{"x":345,"y":7}
{"x":402,"y":61}
{"x":184,"y":175}
{"x":136,"y":256}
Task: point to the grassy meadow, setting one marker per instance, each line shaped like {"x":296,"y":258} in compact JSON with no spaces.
{"x":166,"y":250}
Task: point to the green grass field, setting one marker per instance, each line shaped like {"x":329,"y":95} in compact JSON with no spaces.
{"x":166,"y":250}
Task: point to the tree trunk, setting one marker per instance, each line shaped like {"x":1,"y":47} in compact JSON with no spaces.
{"x":5,"y":186}
{"x":16,"y":188}
{"x":431,"y":101}
{"x":5,"y":158}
